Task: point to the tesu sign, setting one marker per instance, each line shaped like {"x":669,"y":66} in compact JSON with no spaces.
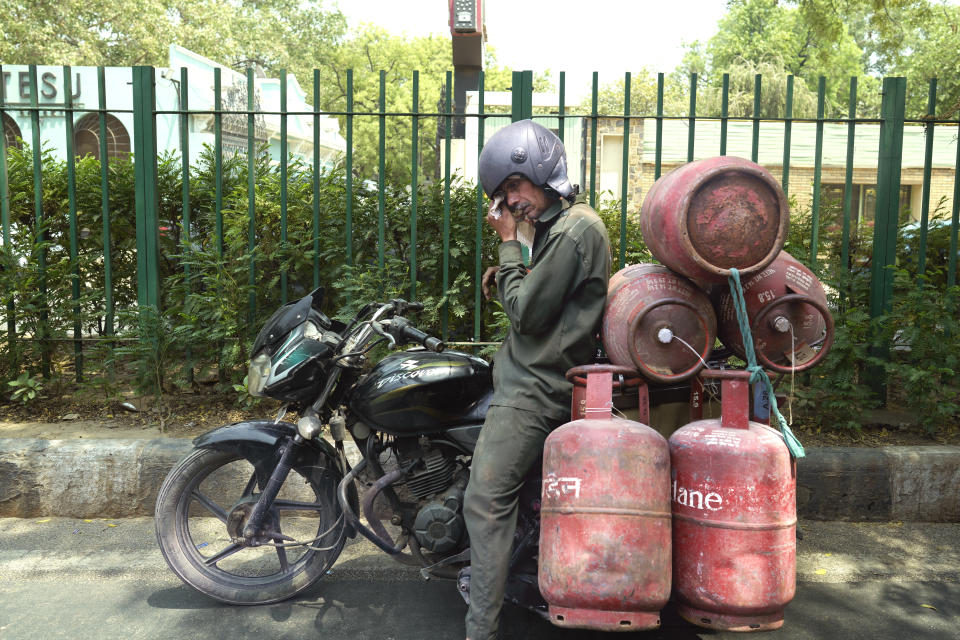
{"x":50,"y":84}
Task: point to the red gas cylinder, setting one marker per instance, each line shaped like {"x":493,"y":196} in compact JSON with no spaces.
{"x":658,"y":322}
{"x":791,"y":325}
{"x":605,"y":519}
{"x":734,"y":517}
{"x":707,"y":216}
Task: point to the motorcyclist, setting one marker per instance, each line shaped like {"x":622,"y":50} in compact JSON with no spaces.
{"x":554,"y":306}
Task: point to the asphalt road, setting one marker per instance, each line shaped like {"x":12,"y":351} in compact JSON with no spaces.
{"x":67,"y":578}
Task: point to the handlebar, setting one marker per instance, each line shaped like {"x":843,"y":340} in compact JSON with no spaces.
{"x":406,"y":332}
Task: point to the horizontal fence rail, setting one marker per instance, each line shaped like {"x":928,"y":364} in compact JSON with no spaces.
{"x":380,"y":222}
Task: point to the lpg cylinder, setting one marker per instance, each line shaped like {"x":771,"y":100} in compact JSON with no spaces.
{"x":604,"y":560}
{"x":658,"y":322}
{"x":787,"y":308}
{"x":734,"y":517}
{"x":707,"y":216}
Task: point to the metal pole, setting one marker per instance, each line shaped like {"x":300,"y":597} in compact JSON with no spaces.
{"x":892,"y":113}
{"x":72,"y":212}
{"x":817,"y":168}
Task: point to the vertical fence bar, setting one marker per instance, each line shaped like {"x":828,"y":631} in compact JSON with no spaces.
{"x":145,"y":173}
{"x":757,"y":88}
{"x":563,"y":105}
{"x":892,"y":116}
{"x":316,"y":178}
{"x":218,"y":192}
{"x":927,"y":169}
{"x":522,"y":96}
{"x":593,"y":139}
{"x":5,"y":223}
{"x":448,"y":124}
{"x":817,"y":167}
{"x":724,"y":113}
{"x":283,"y":185}
{"x":888,"y":195}
{"x":41,"y":252}
{"x":251,"y":199}
{"x":693,"y":117}
{"x":787,"y":131}
{"x":72,"y":213}
{"x":658,"y":154}
{"x":187,"y":239}
{"x":478,"y":226}
{"x":218,"y":159}
{"x":349,"y":168}
{"x":848,"y":181}
{"x":381,"y":202}
{"x":625,"y":169}
{"x":105,"y":202}
{"x":414,"y":176}
{"x":955,"y":218}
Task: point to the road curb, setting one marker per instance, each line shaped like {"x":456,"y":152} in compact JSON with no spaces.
{"x":117,"y":478}
{"x":887,"y":484}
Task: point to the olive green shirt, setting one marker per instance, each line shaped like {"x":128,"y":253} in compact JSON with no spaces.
{"x":554,"y":309}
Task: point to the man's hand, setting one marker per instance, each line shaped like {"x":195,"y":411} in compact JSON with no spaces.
{"x":505,"y":225}
{"x":488,"y":280}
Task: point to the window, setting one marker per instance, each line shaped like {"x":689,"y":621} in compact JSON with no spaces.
{"x":863,"y":203}
{"x":11,"y":133}
{"x":611,"y":165}
{"x":86,"y":137}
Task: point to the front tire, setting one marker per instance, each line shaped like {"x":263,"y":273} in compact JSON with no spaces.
{"x":208,"y":488}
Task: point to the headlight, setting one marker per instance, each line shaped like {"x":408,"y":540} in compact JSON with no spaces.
{"x":257,"y":375}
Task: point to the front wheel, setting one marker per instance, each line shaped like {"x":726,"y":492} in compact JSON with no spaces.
{"x":203,"y":503}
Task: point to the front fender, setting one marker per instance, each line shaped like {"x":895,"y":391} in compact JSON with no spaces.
{"x":258,"y":441}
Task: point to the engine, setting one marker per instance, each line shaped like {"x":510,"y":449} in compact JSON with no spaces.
{"x":439,"y":525}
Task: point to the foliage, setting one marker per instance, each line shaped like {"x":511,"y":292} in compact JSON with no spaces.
{"x":741,"y":86}
{"x":911,"y":38}
{"x":368,"y":52}
{"x":914,"y":345}
{"x":371,"y":53}
{"x":635,"y":250}
{"x":924,"y":329}
{"x":929,"y":42}
{"x":26,"y":388}
{"x":211,"y":306}
{"x":268,"y":33}
{"x":798,"y":39}
{"x":643,"y":96}
{"x":838,"y":391}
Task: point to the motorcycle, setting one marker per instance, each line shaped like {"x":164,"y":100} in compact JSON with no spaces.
{"x":260,"y":510}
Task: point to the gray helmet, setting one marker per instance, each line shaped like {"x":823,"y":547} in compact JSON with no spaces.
{"x":529,"y":149}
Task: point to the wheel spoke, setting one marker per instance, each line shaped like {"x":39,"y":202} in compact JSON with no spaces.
{"x":282,"y":557}
{"x":251,"y":484}
{"x":227,"y":552}
{"x":291,"y":505}
{"x":211,"y":506}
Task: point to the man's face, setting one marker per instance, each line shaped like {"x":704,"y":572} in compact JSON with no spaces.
{"x":523,"y":198}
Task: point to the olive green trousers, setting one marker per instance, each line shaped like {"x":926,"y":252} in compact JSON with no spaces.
{"x":510,"y":442}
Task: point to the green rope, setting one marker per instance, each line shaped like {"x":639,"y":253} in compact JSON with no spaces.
{"x":757,"y":374}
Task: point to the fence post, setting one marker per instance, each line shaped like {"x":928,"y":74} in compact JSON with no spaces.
{"x":5,"y":223}
{"x":522,"y":96}
{"x":145,"y":182}
{"x":892,"y":114}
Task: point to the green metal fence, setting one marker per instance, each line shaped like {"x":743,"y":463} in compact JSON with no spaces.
{"x":892,"y":124}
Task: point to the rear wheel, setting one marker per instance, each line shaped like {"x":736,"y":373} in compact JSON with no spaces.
{"x":202,"y":506}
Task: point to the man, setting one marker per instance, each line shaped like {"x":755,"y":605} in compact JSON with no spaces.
{"x":554,"y":309}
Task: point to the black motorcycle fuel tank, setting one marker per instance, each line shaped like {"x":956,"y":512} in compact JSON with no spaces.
{"x":418,"y":391}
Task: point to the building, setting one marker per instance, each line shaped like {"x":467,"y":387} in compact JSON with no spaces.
{"x":641,"y":156}
{"x":18,"y":127}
